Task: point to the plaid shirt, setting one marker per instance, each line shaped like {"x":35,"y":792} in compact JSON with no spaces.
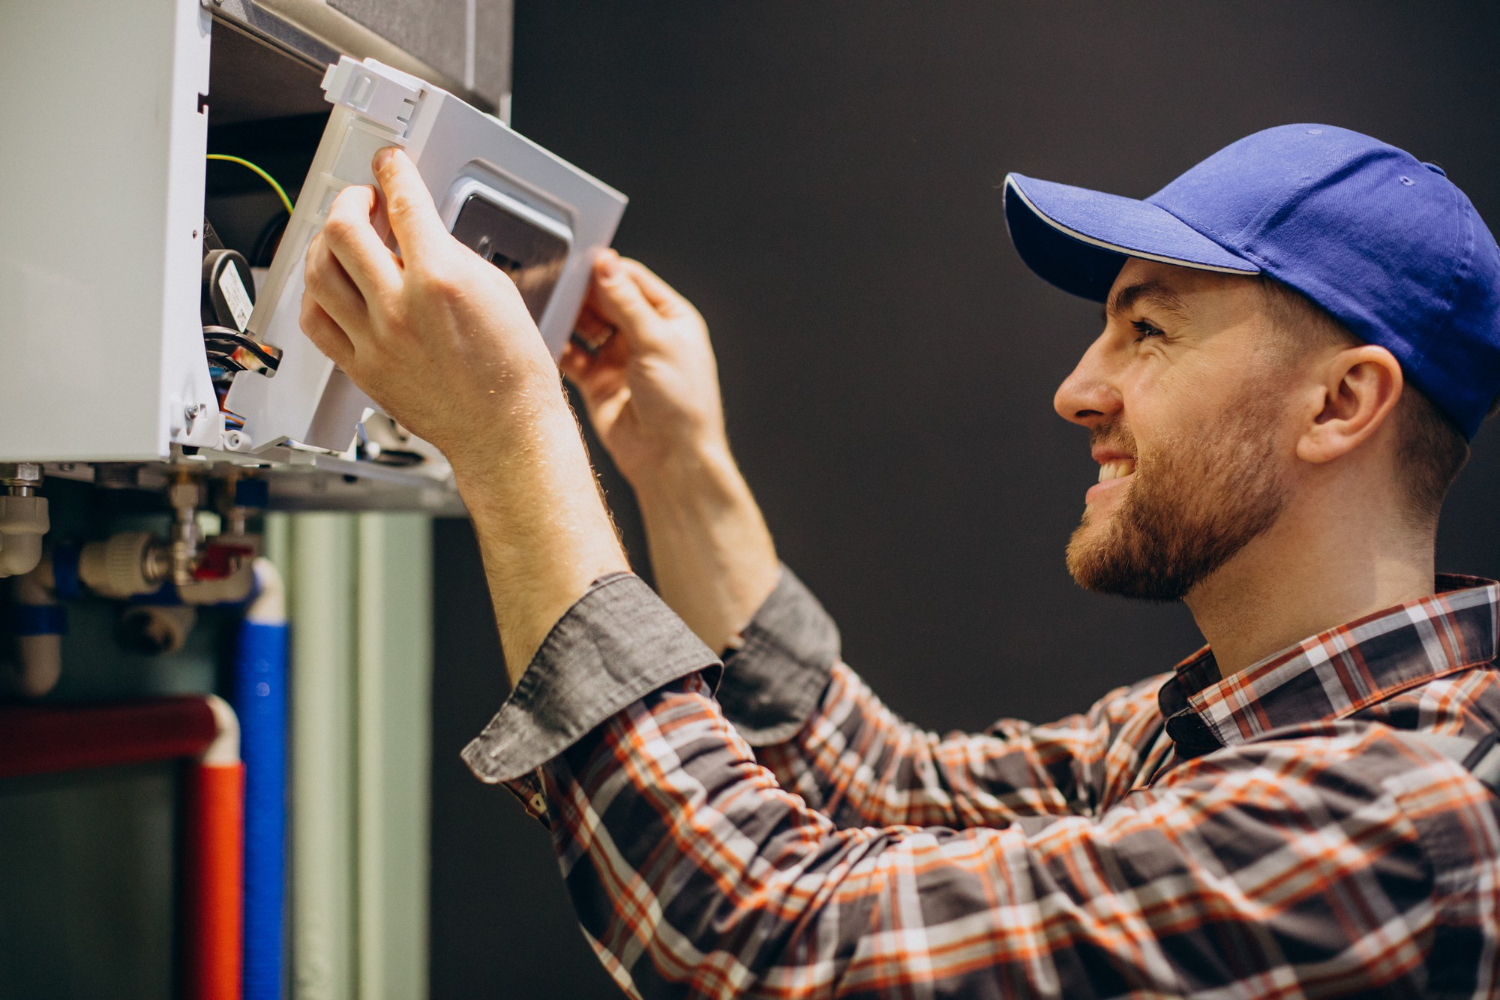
{"x":1271,"y":834}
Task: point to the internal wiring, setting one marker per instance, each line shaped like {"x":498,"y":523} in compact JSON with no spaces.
{"x":263,"y":175}
{"x":234,"y":350}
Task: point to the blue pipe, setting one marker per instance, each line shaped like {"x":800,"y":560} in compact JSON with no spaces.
{"x":261,"y":701}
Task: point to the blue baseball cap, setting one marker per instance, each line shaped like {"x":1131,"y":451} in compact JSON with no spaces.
{"x":1387,"y":244}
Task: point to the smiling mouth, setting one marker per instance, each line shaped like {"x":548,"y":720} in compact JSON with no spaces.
{"x":1117,"y":469}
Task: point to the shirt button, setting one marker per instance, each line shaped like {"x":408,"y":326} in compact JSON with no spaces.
{"x":1191,"y":734}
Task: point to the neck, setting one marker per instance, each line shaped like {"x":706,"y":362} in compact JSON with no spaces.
{"x":1312,"y":571}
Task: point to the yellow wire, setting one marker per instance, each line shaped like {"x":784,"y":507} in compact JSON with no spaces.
{"x":265,"y":176}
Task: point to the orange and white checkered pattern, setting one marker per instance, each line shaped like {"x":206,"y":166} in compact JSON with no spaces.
{"x":1313,"y":852}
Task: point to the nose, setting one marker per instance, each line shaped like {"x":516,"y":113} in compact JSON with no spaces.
{"x":1088,"y":396}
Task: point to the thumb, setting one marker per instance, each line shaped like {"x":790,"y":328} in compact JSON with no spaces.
{"x":408,"y":204}
{"x":618,"y":298}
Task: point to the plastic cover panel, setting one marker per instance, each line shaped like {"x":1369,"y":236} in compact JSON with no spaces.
{"x":460,"y":151}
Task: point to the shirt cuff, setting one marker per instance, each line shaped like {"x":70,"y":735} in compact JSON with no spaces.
{"x":772,"y":683}
{"x":615,"y":645}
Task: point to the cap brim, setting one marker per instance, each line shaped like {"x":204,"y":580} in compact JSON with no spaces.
{"x":1079,"y":239}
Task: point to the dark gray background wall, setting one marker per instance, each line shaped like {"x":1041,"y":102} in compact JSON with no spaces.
{"x":823,"y":181}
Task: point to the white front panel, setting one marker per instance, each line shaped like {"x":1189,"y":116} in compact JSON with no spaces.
{"x":459,"y":150}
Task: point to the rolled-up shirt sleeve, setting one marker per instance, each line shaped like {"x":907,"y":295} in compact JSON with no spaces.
{"x":615,"y":644}
{"x":780,"y":667}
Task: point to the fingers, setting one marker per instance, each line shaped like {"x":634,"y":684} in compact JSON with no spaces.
{"x":351,"y":236}
{"x":325,"y":334}
{"x":597,"y":376}
{"x":666,"y":299}
{"x":584,"y":354}
{"x":619,"y":300}
{"x":592,"y":331}
{"x":328,"y":285}
{"x":580,"y":368}
{"x":408,"y":204}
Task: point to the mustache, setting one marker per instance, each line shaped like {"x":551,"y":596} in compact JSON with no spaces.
{"x":1114,"y":437}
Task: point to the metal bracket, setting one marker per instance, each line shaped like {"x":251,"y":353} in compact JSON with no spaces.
{"x":259,"y":23}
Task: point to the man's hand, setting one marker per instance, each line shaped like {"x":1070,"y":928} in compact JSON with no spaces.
{"x":442,"y":341}
{"x":437,"y":336}
{"x":652,"y":392}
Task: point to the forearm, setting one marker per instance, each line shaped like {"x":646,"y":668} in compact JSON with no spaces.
{"x":711,"y":552}
{"x":542,"y":528}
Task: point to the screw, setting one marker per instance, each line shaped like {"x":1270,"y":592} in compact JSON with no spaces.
{"x":194,"y":410}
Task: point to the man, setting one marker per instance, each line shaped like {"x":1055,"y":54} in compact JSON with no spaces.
{"x":1301,"y":334}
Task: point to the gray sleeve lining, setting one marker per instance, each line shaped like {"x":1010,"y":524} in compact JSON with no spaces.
{"x":772,"y":683}
{"x":616,"y":644}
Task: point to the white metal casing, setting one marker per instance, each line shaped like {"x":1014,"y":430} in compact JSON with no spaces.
{"x":101,"y":352}
{"x":458,"y":150}
{"x":101,"y":347}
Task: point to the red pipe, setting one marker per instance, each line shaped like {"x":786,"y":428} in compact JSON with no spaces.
{"x":39,"y":739}
{"x":214,"y":883}
{"x":42,"y":739}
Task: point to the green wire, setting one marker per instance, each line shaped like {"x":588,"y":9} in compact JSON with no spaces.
{"x":265,"y":176}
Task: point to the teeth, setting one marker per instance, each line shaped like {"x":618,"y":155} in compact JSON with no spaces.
{"x":1118,"y":469}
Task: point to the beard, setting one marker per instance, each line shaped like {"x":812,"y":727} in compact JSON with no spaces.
{"x":1192,"y":506}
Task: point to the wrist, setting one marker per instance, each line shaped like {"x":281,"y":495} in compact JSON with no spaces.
{"x":703,"y":472}
{"x":712,"y":555}
{"x":509,"y":429}
{"x":541,"y":525}
{"x":531,"y":461}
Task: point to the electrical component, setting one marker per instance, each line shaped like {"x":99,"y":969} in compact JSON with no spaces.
{"x":228,"y":286}
{"x":225,"y":306}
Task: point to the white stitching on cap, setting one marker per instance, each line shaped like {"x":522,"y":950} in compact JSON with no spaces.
{"x":1091,"y":241}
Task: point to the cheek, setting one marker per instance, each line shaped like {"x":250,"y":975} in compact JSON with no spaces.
{"x":1187,"y":400}
{"x":1157,"y":410}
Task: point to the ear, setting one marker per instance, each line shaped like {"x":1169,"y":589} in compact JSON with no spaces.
{"x":1359,"y":387}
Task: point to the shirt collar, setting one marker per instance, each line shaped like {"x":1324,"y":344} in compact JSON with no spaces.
{"x":1336,"y":673}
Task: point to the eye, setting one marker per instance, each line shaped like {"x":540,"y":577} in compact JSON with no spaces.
{"x":1145,"y":330}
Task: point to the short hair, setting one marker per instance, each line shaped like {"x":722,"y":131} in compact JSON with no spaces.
{"x":1431,"y":450}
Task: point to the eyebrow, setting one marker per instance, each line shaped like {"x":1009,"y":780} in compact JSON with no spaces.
{"x":1154,"y":291}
